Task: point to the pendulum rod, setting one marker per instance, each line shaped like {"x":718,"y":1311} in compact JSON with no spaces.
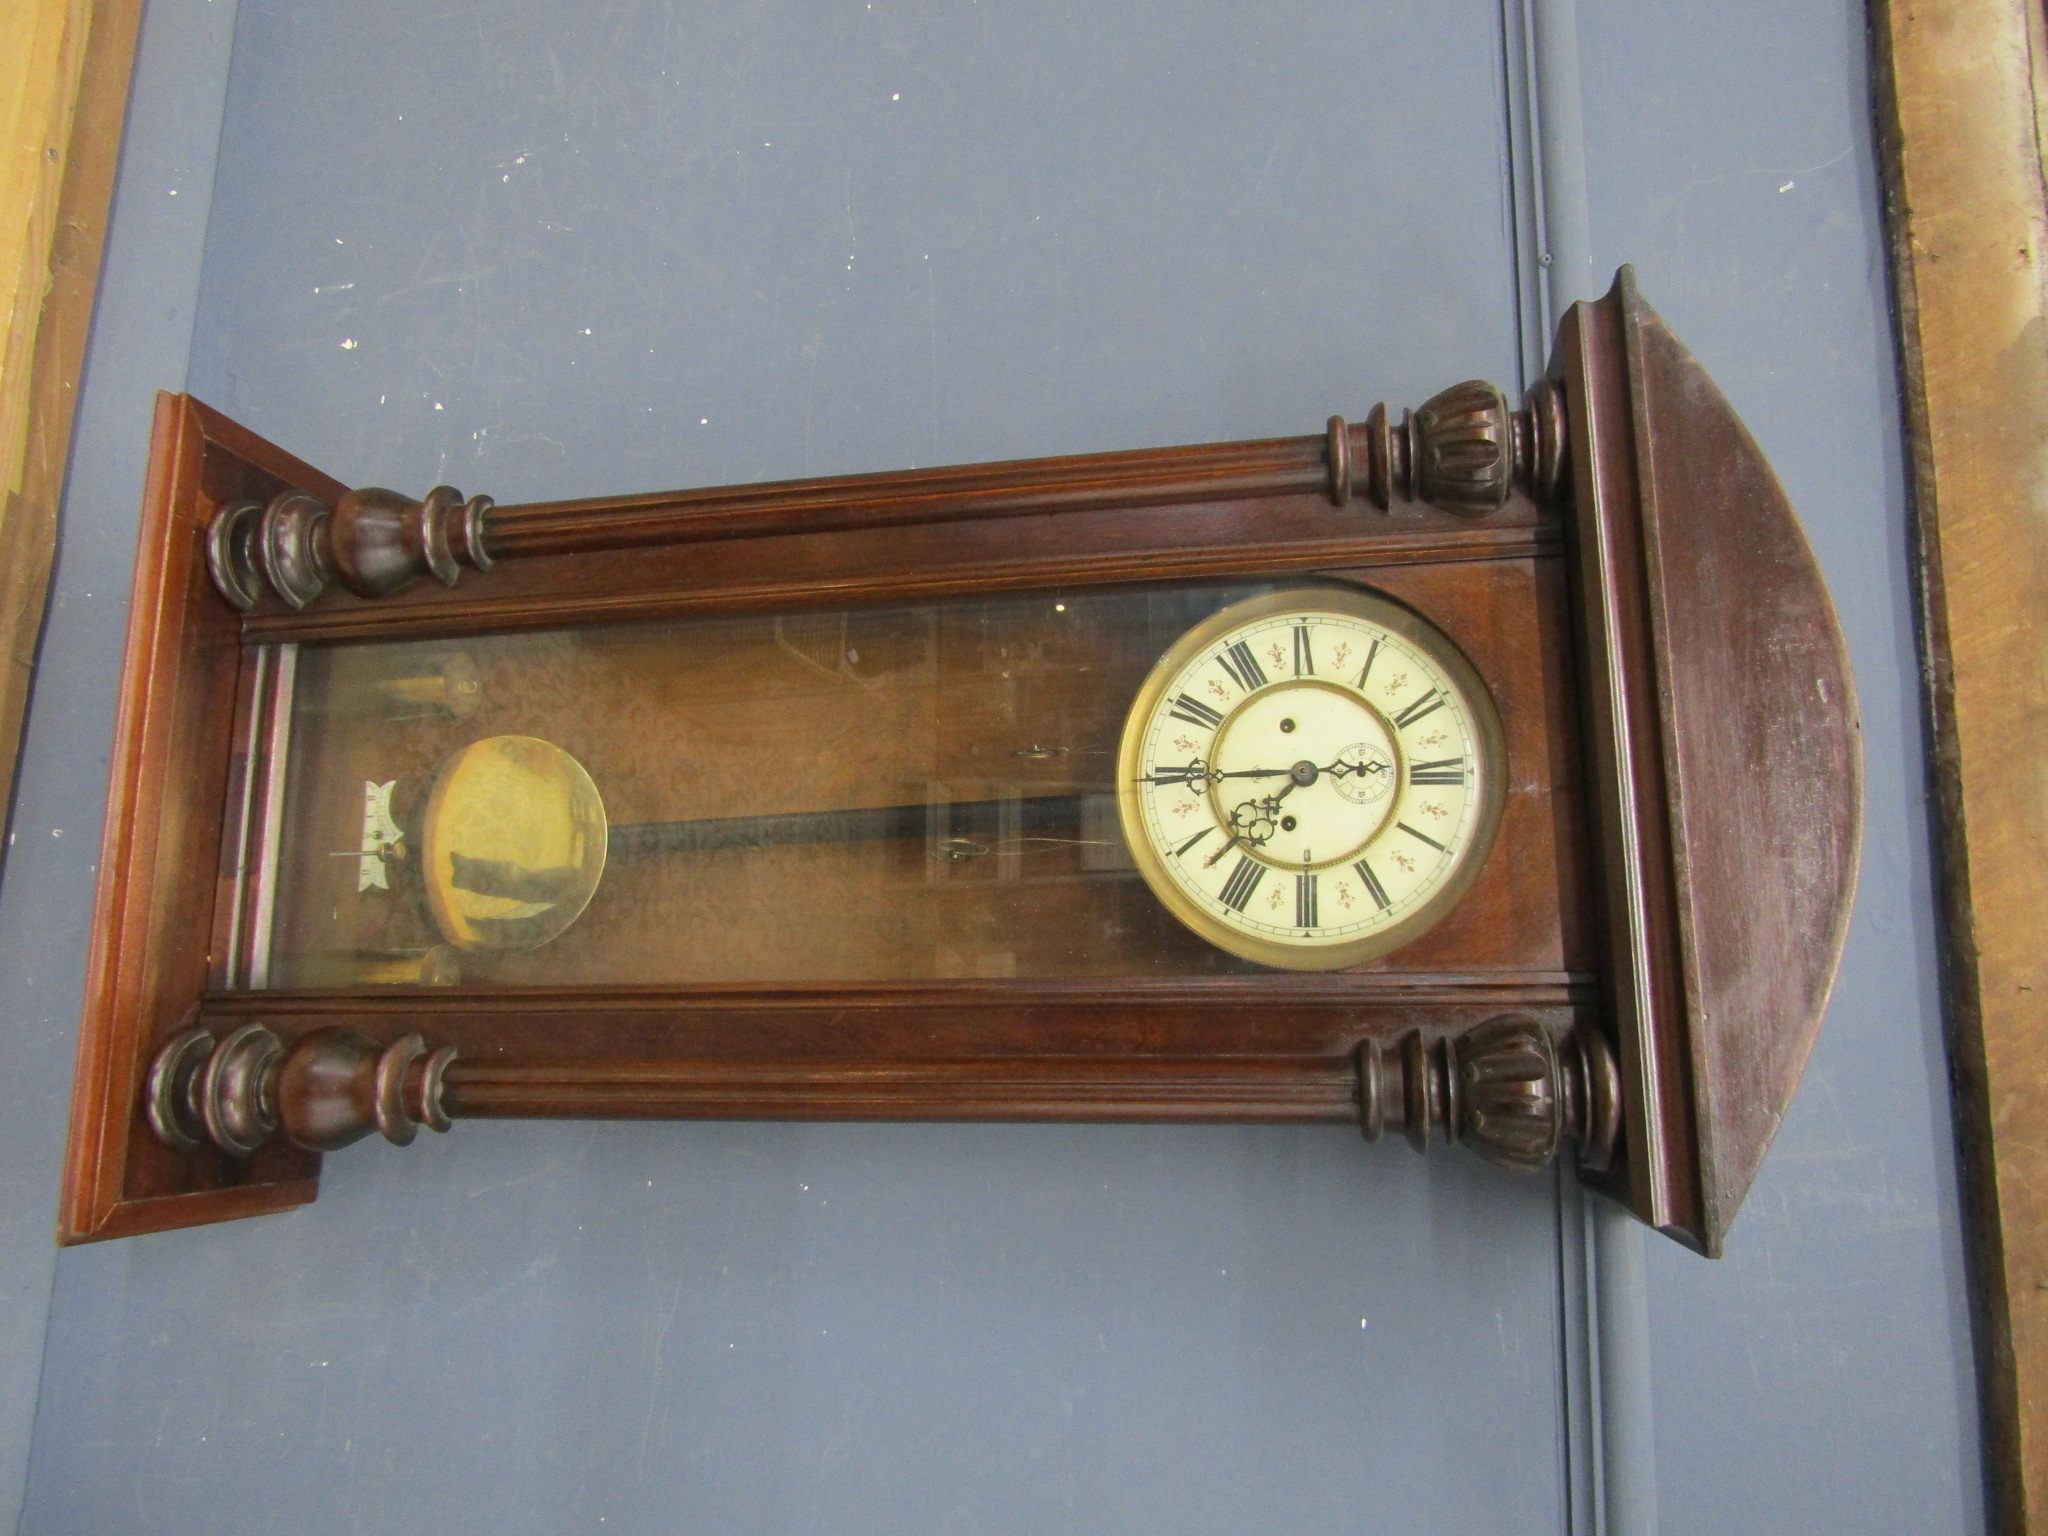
{"x":1035,"y":816}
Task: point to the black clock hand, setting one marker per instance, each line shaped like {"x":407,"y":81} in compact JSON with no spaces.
{"x":1199,"y":771}
{"x":1341,"y":769}
{"x":1247,"y":815}
{"x":1302,"y":773}
{"x":1190,"y":774}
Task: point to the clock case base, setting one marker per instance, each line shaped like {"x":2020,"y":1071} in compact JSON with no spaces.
{"x":1641,"y":967}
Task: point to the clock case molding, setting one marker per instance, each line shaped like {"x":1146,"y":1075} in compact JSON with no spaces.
{"x":1679,"y":854}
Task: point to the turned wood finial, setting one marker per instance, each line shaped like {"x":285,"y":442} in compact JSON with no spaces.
{"x":331,"y":1088}
{"x":1464,"y":451}
{"x":374,"y":542}
{"x":1505,"y":1088}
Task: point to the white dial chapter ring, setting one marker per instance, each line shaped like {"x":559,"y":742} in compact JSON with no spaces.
{"x":1311,"y":777}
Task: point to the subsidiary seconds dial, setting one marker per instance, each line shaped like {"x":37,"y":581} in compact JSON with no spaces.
{"x":1311,"y":778}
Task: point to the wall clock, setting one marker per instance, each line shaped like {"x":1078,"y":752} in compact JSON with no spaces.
{"x":1485,"y":774}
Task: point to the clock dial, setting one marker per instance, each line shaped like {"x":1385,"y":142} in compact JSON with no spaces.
{"x":1311,"y":778}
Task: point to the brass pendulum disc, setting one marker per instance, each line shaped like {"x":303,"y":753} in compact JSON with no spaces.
{"x":512,"y":843}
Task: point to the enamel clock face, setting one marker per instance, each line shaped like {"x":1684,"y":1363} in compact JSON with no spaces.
{"x":1311,"y":778}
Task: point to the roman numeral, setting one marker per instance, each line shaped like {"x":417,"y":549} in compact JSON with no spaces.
{"x":1373,"y":888}
{"x":1189,"y":775}
{"x":1244,"y":879}
{"x":1366,"y":671}
{"x":1445,"y":770}
{"x":1243,"y":667}
{"x":1304,"y":654}
{"x":1305,"y":902}
{"x":1195,"y":712}
{"x":1184,"y":847}
{"x":1428,"y":704}
{"x":1439,"y":847}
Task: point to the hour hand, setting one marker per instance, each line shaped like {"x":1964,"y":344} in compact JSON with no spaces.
{"x":1253,"y":822}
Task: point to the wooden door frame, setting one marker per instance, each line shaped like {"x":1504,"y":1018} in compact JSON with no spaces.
{"x":63,"y":101}
{"x":1961,"y":92}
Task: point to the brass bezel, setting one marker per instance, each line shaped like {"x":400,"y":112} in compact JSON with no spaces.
{"x":1352,"y":602}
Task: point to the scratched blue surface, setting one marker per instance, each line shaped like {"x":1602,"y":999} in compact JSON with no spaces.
{"x":550,"y":249}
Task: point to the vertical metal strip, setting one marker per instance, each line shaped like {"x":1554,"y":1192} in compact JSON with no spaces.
{"x":1628,"y":1426}
{"x":1610,"y":1422}
{"x":275,"y":744}
{"x":1561,"y":155}
{"x":1540,"y":303}
{"x":1580,"y":1369}
{"x":229,"y":970}
{"x":1533,"y":324}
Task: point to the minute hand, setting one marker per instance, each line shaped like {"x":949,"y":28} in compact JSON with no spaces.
{"x":1300,"y":773}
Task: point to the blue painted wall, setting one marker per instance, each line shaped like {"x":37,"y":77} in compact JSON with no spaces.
{"x":542,"y":250}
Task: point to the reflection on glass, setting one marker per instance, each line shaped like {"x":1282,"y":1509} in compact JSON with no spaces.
{"x":881,"y":794}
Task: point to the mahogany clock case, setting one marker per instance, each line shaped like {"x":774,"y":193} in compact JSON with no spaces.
{"x":1627,"y":966}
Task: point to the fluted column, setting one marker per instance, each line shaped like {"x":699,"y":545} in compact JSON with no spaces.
{"x":1463,"y":452}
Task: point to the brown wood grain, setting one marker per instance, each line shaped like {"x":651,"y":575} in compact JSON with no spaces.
{"x":1759,"y":727}
{"x":1717,"y":703}
{"x":1641,"y":953}
{"x":149,"y":959}
{"x":45,"y":352}
{"x":1963,"y":109}
{"x":1200,"y":473}
{"x":1242,"y":1089}
{"x":1269,"y":536}
{"x":1463,"y":453}
{"x":1264,"y":1048}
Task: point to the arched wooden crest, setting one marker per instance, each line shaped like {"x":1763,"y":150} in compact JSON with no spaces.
{"x":1725,"y":750}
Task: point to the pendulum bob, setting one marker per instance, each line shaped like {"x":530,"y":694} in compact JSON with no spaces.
{"x":510,"y":844}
